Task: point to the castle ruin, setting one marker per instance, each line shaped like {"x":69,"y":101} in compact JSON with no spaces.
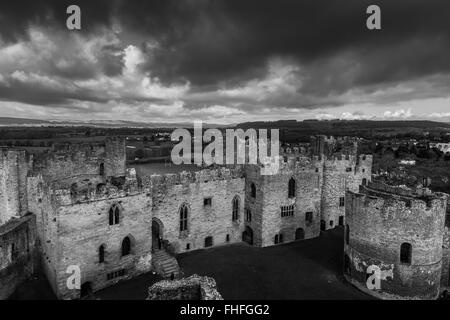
{"x":77,"y":204}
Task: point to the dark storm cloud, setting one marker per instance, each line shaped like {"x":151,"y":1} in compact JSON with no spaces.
{"x":44,"y":95}
{"x":217,"y":41}
{"x":17,"y":15}
{"x":223,"y":51}
{"x":223,"y":41}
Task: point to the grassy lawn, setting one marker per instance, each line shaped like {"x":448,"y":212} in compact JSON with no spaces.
{"x":309,"y":269}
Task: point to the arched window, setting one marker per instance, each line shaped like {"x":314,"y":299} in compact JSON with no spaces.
{"x":235,"y":208}
{"x":405,"y":253}
{"x":291,"y":188}
{"x":126,"y":246}
{"x":102,"y":169}
{"x":347,"y":234}
{"x":183,"y":218}
{"x":101,"y":254}
{"x":111,"y":216}
{"x":114,"y":214}
{"x":253,"y":190}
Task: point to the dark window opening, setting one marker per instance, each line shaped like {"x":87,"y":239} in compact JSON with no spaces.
{"x":342,"y":202}
{"x":183,"y":218}
{"x":247,"y":235}
{"x":309,"y":217}
{"x":116,"y":274}
{"x":85,"y":290}
{"x":235,"y":204}
{"x":253,"y":190}
{"x":207,"y":201}
{"x":114,"y":214}
{"x":228,"y":238}
{"x":299,"y":234}
{"x":188,"y":246}
{"x":126,"y":246}
{"x":291,"y":188}
{"x":208,"y":242}
{"x":341,"y":220}
{"x":101,"y":254}
{"x":347,"y":234}
{"x":102,"y":169}
{"x":364,"y":182}
{"x":278,"y":238}
{"x":322,"y":225}
{"x":331,"y":223}
{"x":287,"y":211}
{"x":248,"y":215}
{"x":349,"y":169}
{"x":405,"y":253}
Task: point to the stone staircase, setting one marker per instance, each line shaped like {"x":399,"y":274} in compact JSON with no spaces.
{"x":165,"y":264}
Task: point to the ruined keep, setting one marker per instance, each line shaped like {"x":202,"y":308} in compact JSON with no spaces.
{"x":17,"y":225}
{"x":396,"y":242}
{"x":78,"y":205}
{"x":192,"y":288}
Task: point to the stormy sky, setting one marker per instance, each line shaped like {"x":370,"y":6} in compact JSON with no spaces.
{"x":225,"y":61}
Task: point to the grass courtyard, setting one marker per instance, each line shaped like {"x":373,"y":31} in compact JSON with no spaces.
{"x":309,"y":269}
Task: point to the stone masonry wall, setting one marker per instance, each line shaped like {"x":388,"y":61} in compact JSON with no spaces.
{"x":172,"y":191}
{"x":82,"y":228}
{"x":13,"y":185}
{"x":377,"y":228}
{"x":17,"y":253}
{"x":307,"y":174}
{"x":192,"y":288}
{"x":341,"y":174}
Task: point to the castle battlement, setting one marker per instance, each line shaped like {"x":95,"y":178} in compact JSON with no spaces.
{"x":65,"y":197}
{"x":186,"y":177}
{"x":67,"y":191}
{"x":399,"y":200}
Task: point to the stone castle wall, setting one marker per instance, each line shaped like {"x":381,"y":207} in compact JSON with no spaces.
{"x":84,"y":227}
{"x":273,"y":194}
{"x":170,"y":192}
{"x":72,"y":192}
{"x":75,"y":159}
{"x":339,"y":175}
{"x":17,"y":253}
{"x":378,"y":224}
{"x":192,"y":288}
{"x":13,"y":184}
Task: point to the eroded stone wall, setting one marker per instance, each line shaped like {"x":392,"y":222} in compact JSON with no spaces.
{"x":84,"y":227}
{"x":13,"y":184}
{"x":339,"y":175}
{"x":273,"y":190}
{"x":17,"y":253}
{"x":192,"y":288}
{"x":377,"y":225}
{"x":170,"y":192}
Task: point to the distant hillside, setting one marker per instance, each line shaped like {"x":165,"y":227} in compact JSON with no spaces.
{"x":291,"y":130}
{"x":23,"y":122}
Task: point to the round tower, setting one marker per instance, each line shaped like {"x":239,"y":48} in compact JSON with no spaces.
{"x":393,"y":241}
